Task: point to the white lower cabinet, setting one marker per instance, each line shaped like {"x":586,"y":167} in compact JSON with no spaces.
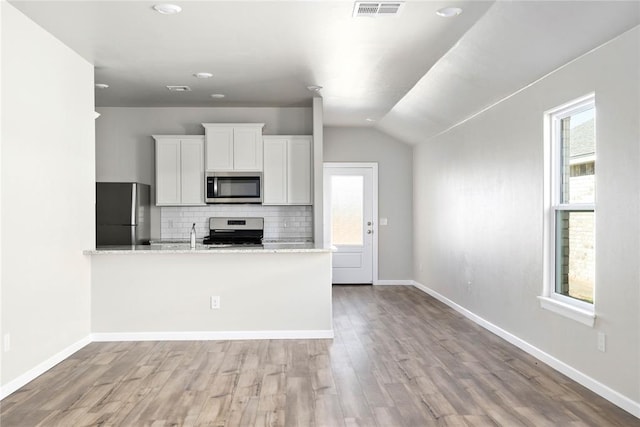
{"x":179,"y":170}
{"x":287,"y":170}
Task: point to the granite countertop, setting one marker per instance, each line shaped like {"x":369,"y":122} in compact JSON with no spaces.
{"x":183,"y":248}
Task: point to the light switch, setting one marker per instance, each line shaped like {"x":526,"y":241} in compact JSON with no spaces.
{"x":384,"y":221}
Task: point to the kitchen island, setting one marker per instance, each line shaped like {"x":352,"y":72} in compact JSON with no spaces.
{"x":164,"y":292}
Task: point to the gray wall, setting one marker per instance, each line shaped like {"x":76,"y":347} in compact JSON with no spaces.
{"x":478,"y":211}
{"x":125,"y":149}
{"x":47,"y":197}
{"x":395,"y":191}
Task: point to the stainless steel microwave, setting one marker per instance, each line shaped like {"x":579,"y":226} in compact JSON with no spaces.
{"x":233,"y":187}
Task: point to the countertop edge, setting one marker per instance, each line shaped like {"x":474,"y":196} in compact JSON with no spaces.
{"x":201,"y":251}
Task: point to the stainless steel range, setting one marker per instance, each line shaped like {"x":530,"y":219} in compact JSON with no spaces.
{"x":235,"y":232}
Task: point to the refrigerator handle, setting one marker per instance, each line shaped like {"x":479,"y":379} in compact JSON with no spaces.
{"x":134,"y":204}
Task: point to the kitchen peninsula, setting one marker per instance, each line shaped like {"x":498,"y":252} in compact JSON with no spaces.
{"x":166,"y":292}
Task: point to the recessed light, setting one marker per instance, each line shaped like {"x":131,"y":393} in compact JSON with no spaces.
{"x":101,"y":86}
{"x":369,"y":119}
{"x":217,"y":95}
{"x":449,"y":12}
{"x":179,"y":88}
{"x":314,"y":88}
{"x":167,"y":9}
{"x":203,"y":75}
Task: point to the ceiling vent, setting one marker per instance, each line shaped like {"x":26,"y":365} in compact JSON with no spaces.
{"x":179,"y":88}
{"x":375,"y":9}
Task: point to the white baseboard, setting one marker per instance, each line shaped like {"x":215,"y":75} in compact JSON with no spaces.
{"x":393,"y":282}
{"x":604,"y":391}
{"x":211,"y":335}
{"x":41,"y":368}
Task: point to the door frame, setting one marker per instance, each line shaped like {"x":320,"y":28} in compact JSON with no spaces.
{"x":326,"y":217}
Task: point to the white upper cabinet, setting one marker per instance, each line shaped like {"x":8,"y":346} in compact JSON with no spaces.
{"x":287,"y":170}
{"x":274,"y":177}
{"x":167,"y":171}
{"x":219,"y":148}
{"x":233,"y":146}
{"x":192,"y":171}
{"x":179,"y":170}
{"x":299,"y":170}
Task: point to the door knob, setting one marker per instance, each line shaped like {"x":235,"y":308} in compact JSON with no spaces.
{"x":369,"y":223}
{"x":369,"y":231}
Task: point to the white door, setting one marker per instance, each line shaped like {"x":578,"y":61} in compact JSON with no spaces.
{"x":219,"y":151}
{"x":350,"y":220}
{"x":247,"y":148}
{"x":299,"y":170}
{"x":274,"y":175}
{"x":167,"y":171}
{"x":192,"y":171}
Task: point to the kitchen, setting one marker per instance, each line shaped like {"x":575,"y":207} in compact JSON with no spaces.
{"x":460,"y":173}
{"x":245,"y":222}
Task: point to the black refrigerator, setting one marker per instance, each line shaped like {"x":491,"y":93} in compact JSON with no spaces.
{"x":122,"y":213}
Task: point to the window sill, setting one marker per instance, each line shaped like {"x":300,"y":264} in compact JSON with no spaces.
{"x":585,"y":317}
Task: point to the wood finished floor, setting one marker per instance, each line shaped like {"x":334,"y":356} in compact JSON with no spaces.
{"x":400,"y":358}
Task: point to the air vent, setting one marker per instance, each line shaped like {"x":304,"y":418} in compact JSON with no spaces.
{"x":374,"y":9}
{"x":179,"y":88}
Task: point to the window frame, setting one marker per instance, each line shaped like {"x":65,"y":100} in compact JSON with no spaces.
{"x":573,"y":308}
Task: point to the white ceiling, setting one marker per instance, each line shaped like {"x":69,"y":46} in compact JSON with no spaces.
{"x":514,"y":44}
{"x":402,"y":71}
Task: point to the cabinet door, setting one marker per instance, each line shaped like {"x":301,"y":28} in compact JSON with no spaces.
{"x":299,"y":171}
{"x":275,"y":171}
{"x":219,"y":148}
{"x":247,"y":149}
{"x":167,"y":172}
{"x":192,"y":168}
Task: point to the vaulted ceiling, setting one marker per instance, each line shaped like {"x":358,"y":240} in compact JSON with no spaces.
{"x":413,"y":75}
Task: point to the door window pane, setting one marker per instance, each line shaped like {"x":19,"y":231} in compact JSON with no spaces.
{"x":575,"y":243}
{"x":347,"y":210}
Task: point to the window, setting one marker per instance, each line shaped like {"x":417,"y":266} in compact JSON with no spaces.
{"x":570,"y":194}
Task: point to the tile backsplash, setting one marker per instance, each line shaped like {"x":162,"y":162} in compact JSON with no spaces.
{"x":280,"y":222}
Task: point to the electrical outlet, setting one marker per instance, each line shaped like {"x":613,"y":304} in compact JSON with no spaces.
{"x":602,"y":342}
{"x":384,"y":221}
{"x":6,"y":344}
{"x":215,"y":302}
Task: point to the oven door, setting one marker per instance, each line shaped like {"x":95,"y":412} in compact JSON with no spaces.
{"x":234,"y":187}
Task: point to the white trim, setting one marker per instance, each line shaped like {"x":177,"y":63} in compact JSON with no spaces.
{"x":574,"y":106}
{"x":582,"y":207}
{"x":197,"y":137}
{"x":376,"y":230}
{"x":235,"y":125}
{"x":597,"y":387}
{"x":42,"y":367}
{"x":580,"y":160}
{"x":568,"y":310}
{"x":350,"y":164}
{"x":385,"y":282}
{"x":211,"y":335}
{"x":364,"y":165}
